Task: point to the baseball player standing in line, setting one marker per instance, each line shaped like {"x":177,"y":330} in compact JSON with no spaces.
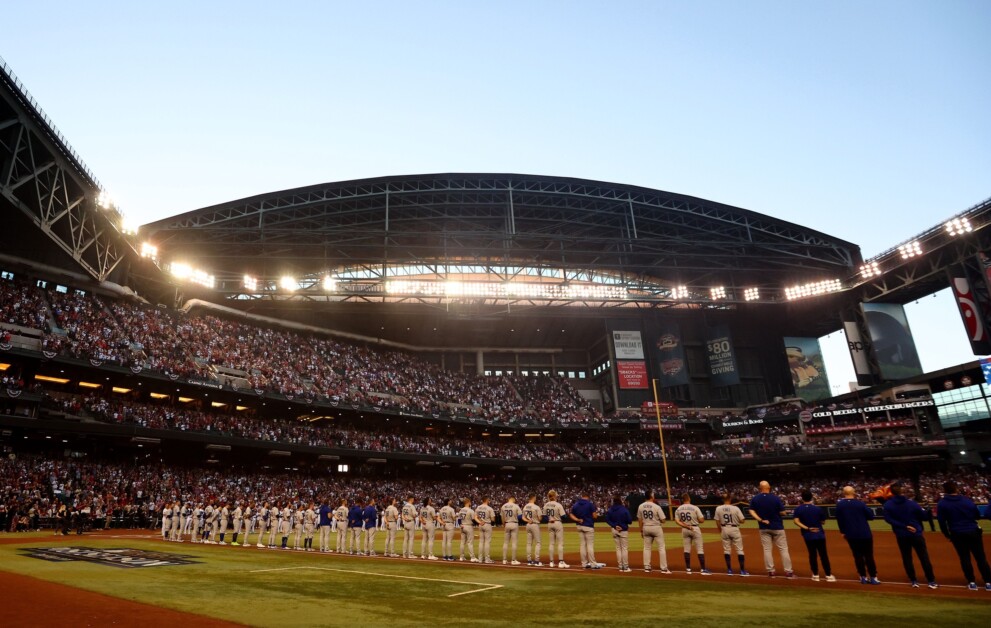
{"x":409,"y":516}
{"x":176,"y":521}
{"x":310,"y":519}
{"x":810,"y":518}
{"x":484,"y":516}
{"x":197,"y":523}
{"x":554,"y":512}
{"x":767,"y":509}
{"x":166,"y":521}
{"x":852,"y":518}
{"x":428,"y":527}
{"x":325,"y":518}
{"x":391,"y":517}
{"x":275,"y":524}
{"x":467,"y":517}
{"x":618,"y":518}
{"x":355,"y":519}
{"x":531,"y":516}
{"x":511,"y":527}
{"x":447,"y":517}
{"x":584,"y":513}
{"x":286,"y":525}
{"x":263,"y":514}
{"x":187,"y":520}
{"x":238,"y":518}
{"x":212,"y":524}
{"x":729,"y":518}
{"x":250,"y":521}
{"x":905,"y":516}
{"x":225,"y":518}
{"x":689,"y":517}
{"x":957,"y":516}
{"x":651,"y":517}
{"x":340,"y":519}
{"x":369,"y":518}
{"x":297,"y":527}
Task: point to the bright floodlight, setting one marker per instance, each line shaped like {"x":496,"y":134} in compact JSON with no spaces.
{"x":870,"y":269}
{"x":149,"y":250}
{"x":250,"y":283}
{"x":718,"y":293}
{"x":180,"y":270}
{"x":958,"y":226}
{"x":104,"y":200}
{"x":329,"y":283}
{"x":910,"y":250}
{"x":751,"y":294}
{"x":288,"y":283}
{"x":679,"y":292}
{"x":813,"y":289}
{"x":128,"y":226}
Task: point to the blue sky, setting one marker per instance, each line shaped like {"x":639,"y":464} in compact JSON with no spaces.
{"x":868,"y":121}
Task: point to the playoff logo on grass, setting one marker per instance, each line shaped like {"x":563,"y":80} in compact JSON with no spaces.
{"x":121,"y":557}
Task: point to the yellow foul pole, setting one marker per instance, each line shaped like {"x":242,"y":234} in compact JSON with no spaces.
{"x":664,"y":455}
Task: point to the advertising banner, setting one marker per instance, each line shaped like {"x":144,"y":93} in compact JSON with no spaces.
{"x":974,"y":302}
{"x":632,"y":374}
{"x":859,"y":348}
{"x":669,"y":355}
{"x":721,"y":357}
{"x":808,"y":371}
{"x":628,"y":345}
{"x":892,"y":340}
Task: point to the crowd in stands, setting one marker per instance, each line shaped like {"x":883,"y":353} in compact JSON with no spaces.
{"x":36,"y":488}
{"x":290,"y":363}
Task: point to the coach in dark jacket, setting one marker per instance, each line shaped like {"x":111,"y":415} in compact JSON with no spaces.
{"x":957,"y":516}
{"x":852,"y":517}
{"x":905,"y":518}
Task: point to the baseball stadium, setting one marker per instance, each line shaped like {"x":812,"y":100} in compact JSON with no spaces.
{"x":508,"y":398}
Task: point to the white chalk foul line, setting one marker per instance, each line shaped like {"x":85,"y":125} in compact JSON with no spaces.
{"x":484,"y":585}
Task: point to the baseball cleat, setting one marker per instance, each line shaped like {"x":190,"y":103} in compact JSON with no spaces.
{"x":864,"y":580}
{"x":666,"y":571}
{"x":729,"y":572}
{"x":514,"y":562}
{"x":972,"y":586}
{"x":874,"y":580}
{"x":815,"y":578}
{"x":915,"y":584}
{"x":933,"y":585}
{"x":688,"y":572}
{"x":646,"y":569}
{"x":744,"y":573}
{"x":474,"y":560}
{"x":431,"y":557}
{"x":789,"y":574}
{"x":705,"y":572}
{"x":987,"y":586}
{"x":537,"y":563}
{"x":563,"y":565}
{"x":771,"y":574}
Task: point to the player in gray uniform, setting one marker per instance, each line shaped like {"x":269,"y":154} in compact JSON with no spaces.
{"x":511,"y":529}
{"x":286,"y":525}
{"x":310,"y":518}
{"x":409,"y":516}
{"x":467,"y":517}
{"x":531,"y":516}
{"x":484,"y":516}
{"x":689,"y":517}
{"x":250,"y":521}
{"x":729,"y":518}
{"x":428,"y":527}
{"x":651,"y":517}
{"x":175,"y":532}
{"x":341,"y":521}
{"x":166,"y":521}
{"x":261,"y":524}
{"x":187,"y":520}
{"x":237,"y":519}
{"x":225,"y":518}
{"x":197,"y":523}
{"x":212,"y":523}
{"x":447,"y":517}
{"x":297,"y":527}
{"x":555,"y":513}
{"x":274,"y":524}
{"x":391,"y":520}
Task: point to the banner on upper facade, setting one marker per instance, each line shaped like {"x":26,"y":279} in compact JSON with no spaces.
{"x":808,"y":371}
{"x":669,"y":355}
{"x":859,"y":352}
{"x":631,"y":374}
{"x":721,"y":356}
{"x":628,"y":345}
{"x":970,"y":289}
{"x":891,"y":340}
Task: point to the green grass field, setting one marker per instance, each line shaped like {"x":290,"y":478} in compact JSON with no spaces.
{"x":275,"y":588}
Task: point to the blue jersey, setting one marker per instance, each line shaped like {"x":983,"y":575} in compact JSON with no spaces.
{"x":852,"y":516}
{"x":325,"y":512}
{"x":354,"y":516}
{"x":957,"y":514}
{"x":768,"y":507}
{"x":584,"y":510}
{"x":901,"y":512}
{"x":811,"y":516}
{"x":619,"y":517}
{"x":370,"y":517}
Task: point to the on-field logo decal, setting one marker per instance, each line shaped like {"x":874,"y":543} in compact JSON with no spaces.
{"x":118,"y":557}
